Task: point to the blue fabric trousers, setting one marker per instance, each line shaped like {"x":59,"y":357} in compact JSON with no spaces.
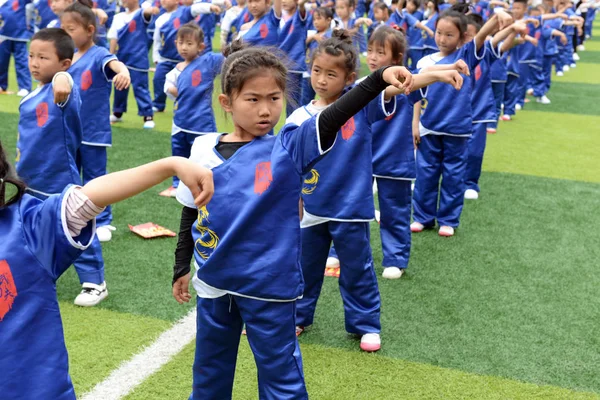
{"x":547,"y":71}
{"x":20,"y":53}
{"x":139,"y":81}
{"x":524,"y":78}
{"x":92,"y":162}
{"x":271,"y":330}
{"x":539,"y":80}
{"x":440,"y":156}
{"x":181,"y":145}
{"x":162,"y":69}
{"x":414,"y":55}
{"x":395,"y":204}
{"x":498,"y":89}
{"x":511,"y":94}
{"x":475,"y":150}
{"x":358,"y":283}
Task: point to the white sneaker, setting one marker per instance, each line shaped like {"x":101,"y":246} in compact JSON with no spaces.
{"x":530,"y":91}
{"x":149,"y":124}
{"x":560,"y":73}
{"x":446,"y":230}
{"x":566,"y":68}
{"x":91,"y":294}
{"x":581,"y":47}
{"x":114,"y":119}
{"x":575,"y":56}
{"x":471,"y":194}
{"x":392,"y":273}
{"x":543,"y":100}
{"x":573,"y":65}
{"x":155,"y":109}
{"x":104,"y":233}
{"x":370,"y":342}
{"x":22,"y":92}
{"x":332,"y":262}
{"x":518,"y":107}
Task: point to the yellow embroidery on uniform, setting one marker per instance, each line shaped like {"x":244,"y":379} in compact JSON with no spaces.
{"x":424,"y":103}
{"x":208,"y":239}
{"x":310,"y":184}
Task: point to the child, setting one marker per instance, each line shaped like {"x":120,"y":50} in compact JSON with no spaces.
{"x":127,"y":37}
{"x":93,"y":68}
{"x":44,"y":13}
{"x":292,"y":41}
{"x":164,"y":53}
{"x":321,"y":19}
{"x":393,"y":152}
{"x":39,"y":241}
{"x":431,"y":13}
{"x":498,"y":77}
{"x":550,"y":31}
{"x":14,"y":35}
{"x":241,"y":277}
{"x":190,"y":85}
{"x":446,"y":125}
{"x":48,"y":128}
{"x":234,"y":18}
{"x":58,"y":6}
{"x":414,"y":35}
{"x":344,"y":11}
{"x":263,"y":29}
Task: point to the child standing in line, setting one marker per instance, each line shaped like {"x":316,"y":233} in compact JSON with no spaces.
{"x":234,"y":18}
{"x":127,"y":37}
{"x":321,"y":19}
{"x":240,"y":277}
{"x":14,"y":35}
{"x":263,"y":28}
{"x":446,"y":125}
{"x":39,"y":240}
{"x":190,"y":85}
{"x":44,"y":13}
{"x":431,"y":13}
{"x":93,"y":69}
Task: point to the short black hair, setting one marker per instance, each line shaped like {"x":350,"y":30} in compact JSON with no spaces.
{"x":64,"y":45}
{"x":520,"y":1}
{"x":476,"y":20}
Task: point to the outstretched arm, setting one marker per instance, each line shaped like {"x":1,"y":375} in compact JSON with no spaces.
{"x":500,"y":20}
{"x":451,"y":77}
{"x":122,"y":78}
{"x":277,"y":8}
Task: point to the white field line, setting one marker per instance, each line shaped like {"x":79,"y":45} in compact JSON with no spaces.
{"x":135,"y":371}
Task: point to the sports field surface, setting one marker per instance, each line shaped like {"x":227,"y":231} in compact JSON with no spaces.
{"x":506,"y":309}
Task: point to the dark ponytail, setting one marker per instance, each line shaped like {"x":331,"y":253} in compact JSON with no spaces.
{"x":340,"y":44}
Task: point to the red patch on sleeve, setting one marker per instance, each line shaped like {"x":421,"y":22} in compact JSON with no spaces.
{"x":176,"y":23}
{"x":8,"y":290}
{"x":41,"y":114}
{"x":86,"y":80}
{"x":478,"y":72}
{"x":196,"y":78}
{"x":15,"y":5}
{"x":132,"y":26}
{"x":264,"y":30}
{"x":262,"y":177}
{"x":389,"y":117}
{"x":348,"y":129}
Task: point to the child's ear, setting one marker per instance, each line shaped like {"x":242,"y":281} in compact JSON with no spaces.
{"x":350,"y":78}
{"x":65,"y":64}
{"x":91,"y":29}
{"x":225,"y":102}
{"x":201,"y":47}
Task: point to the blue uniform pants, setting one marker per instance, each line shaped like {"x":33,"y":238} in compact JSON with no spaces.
{"x":511,"y":94}
{"x":539,"y":80}
{"x":139,"y":81}
{"x":567,"y":54}
{"x":524,"y":77}
{"x":271,"y":330}
{"x":294,"y":84}
{"x":440,"y":156}
{"x":20,"y":53}
{"x":308,"y":93}
{"x":92,"y":162}
{"x":358,"y":283}
{"x":498,"y":89}
{"x":162,"y":69}
{"x":395,"y":198}
{"x":181,"y":145}
{"x":558,"y":59}
{"x":547,"y":71}
{"x":475,"y":150}
{"x":414,"y":55}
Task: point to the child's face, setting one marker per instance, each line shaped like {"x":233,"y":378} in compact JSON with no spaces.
{"x":321,"y":24}
{"x":257,"y":8}
{"x":80,"y":35}
{"x":342,"y":9}
{"x":328,"y":78}
{"x":44,"y":62}
{"x":411,"y":7}
{"x":470,"y":33}
{"x":188,"y":47}
{"x":130,"y":4}
{"x":380,"y":15}
{"x":518,"y":10}
{"x":169,"y":5}
{"x":447,"y":36}
{"x":535,"y":12}
{"x":431,"y":7}
{"x":289,"y":5}
{"x":256,"y":108}
{"x":379,"y":56}
{"x":58,"y":6}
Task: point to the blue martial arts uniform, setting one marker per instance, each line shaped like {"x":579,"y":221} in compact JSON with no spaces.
{"x":429,"y":45}
{"x":292,"y":40}
{"x":498,"y":76}
{"x":15,"y":34}
{"x":511,"y":90}
{"x":265,"y":32}
{"x":308,"y":93}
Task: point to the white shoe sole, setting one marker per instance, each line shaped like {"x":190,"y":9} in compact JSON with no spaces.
{"x":90,"y":301}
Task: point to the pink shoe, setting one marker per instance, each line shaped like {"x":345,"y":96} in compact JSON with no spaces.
{"x":417,"y":227}
{"x":506,"y":118}
{"x":370,"y":342}
{"x":446,"y":231}
{"x":491,"y":130}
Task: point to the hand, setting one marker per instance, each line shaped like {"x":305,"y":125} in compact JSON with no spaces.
{"x":102,"y":16}
{"x":504,"y":19}
{"x":534,"y":22}
{"x":122,"y":80}
{"x":181,"y":289}
{"x":198,"y":179}
{"x":399,"y":77}
{"x":62,"y":89}
{"x":520,"y":28}
{"x":453,"y":78}
{"x":462,"y":67}
{"x":563,"y":39}
{"x":416,"y":137}
{"x":215,"y":9}
{"x":154,"y":10}
{"x":368,"y":21}
{"x":227,"y":4}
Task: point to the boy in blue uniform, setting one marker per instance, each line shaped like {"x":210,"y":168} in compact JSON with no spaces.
{"x":14,"y":35}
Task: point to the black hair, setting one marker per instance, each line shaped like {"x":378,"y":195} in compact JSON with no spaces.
{"x":83,"y":14}
{"x":436,"y":6}
{"x":417,"y":3}
{"x":351,"y":3}
{"x":476,"y":20}
{"x":339,"y":44}
{"x":396,"y":39}
{"x":458,"y":19}
{"x":244,"y":63}
{"x":191,"y":29}
{"x":462,"y":8}
{"x":64,"y":45}
{"x":380,"y":5}
{"x":324,"y":12}
{"x":7,"y":172}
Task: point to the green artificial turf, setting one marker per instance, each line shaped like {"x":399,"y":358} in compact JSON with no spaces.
{"x":569,"y":98}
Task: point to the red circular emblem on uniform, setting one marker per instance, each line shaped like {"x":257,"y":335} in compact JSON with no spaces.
{"x":348,"y":129}
{"x":264,"y":30}
{"x":15,"y":5}
{"x":246,"y":17}
{"x":176,"y":23}
{"x":132,"y":26}
{"x":86,"y":80}
{"x":8,"y":290}
{"x":478,"y":72}
{"x":196,"y":78}
{"x":262,"y":177}
{"x":41,"y":114}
